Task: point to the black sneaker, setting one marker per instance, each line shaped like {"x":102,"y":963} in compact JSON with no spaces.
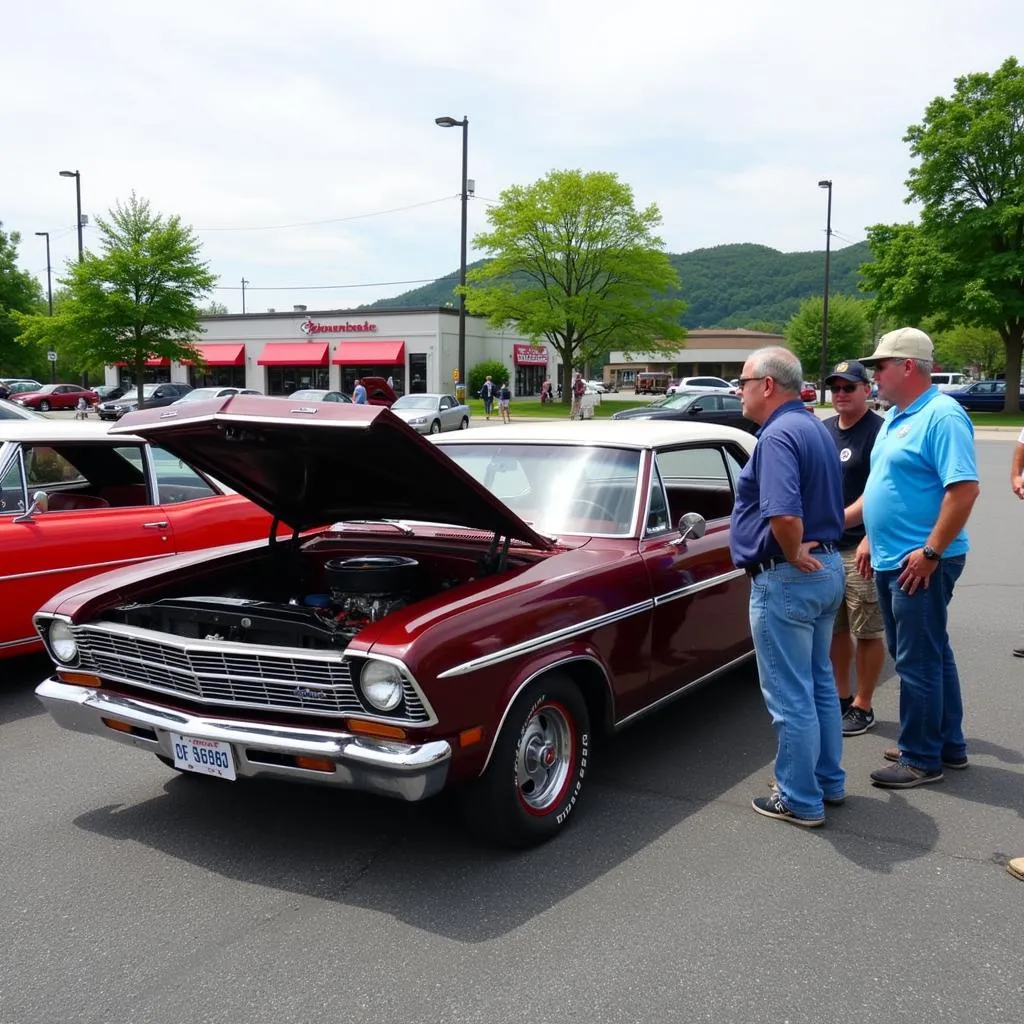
{"x":771,"y":806}
{"x":901,"y":775}
{"x":857,"y":721}
{"x":1018,"y":652}
{"x":829,"y":801}
{"x":845,"y":703}
{"x":957,"y":763}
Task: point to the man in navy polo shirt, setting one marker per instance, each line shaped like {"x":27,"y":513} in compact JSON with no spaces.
{"x":920,"y":491}
{"x":786,"y":523}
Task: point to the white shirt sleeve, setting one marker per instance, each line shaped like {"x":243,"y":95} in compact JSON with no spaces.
{"x":1020,"y":437}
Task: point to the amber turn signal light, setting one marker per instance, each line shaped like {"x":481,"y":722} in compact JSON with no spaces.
{"x":470,"y":736}
{"x":77,"y":678}
{"x":314,"y":764}
{"x":113,"y":723}
{"x":386,"y":732}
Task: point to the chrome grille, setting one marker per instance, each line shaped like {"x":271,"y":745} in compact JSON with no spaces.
{"x":253,"y":679}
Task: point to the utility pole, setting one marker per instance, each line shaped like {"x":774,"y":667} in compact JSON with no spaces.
{"x":244,"y":283}
{"x":827,"y":184}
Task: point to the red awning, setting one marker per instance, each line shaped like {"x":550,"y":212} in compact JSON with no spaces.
{"x":294,"y":353}
{"x":158,"y":361}
{"x":370,"y":353}
{"x":221,"y":355}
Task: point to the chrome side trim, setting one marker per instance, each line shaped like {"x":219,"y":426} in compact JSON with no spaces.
{"x":696,"y":588}
{"x":526,"y":682}
{"x":92,"y":568}
{"x":721,"y":670}
{"x":545,"y":640}
{"x":33,"y":639}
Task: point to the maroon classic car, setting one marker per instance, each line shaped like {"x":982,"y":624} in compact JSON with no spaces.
{"x":485,"y":603}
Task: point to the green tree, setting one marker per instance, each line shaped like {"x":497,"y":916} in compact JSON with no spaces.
{"x":848,"y":331}
{"x":137,"y":299}
{"x":574,"y":262}
{"x":980,"y":349}
{"x":19,"y":293}
{"x":964,"y":262}
{"x":493,"y":368}
{"x":213,"y":308}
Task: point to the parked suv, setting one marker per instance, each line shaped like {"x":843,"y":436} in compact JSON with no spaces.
{"x":153,"y":396}
{"x":950,"y":381}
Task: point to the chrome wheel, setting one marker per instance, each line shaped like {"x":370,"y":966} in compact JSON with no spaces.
{"x":44,"y":406}
{"x":435,"y":427}
{"x":544,"y":758}
{"x":464,"y":425}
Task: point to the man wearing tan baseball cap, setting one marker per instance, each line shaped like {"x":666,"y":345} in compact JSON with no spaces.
{"x":903,"y":343}
{"x":919,"y":494}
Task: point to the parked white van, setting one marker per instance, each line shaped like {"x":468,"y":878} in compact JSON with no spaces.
{"x":949,"y":381}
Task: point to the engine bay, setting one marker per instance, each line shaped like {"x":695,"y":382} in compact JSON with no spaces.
{"x":302,"y":600}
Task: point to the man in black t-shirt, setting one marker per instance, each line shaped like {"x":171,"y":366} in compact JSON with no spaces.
{"x":854,"y":430}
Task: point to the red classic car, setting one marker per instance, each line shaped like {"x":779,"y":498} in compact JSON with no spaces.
{"x":485,"y":604}
{"x":55,"y":396}
{"x":75,"y":501}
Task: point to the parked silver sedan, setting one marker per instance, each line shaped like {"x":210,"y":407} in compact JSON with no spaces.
{"x":430,"y":414}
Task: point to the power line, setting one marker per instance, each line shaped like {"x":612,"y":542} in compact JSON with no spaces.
{"x":320,"y":287}
{"x":334,"y":220}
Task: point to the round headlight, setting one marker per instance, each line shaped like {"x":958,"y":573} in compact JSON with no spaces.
{"x":62,"y":643}
{"x":381,"y":684}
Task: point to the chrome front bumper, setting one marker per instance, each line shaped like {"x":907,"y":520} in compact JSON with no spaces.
{"x":408,"y":771}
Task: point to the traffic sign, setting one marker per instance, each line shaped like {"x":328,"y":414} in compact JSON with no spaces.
{"x":52,"y":356}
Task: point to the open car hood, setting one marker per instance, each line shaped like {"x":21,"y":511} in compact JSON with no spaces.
{"x":313,"y":463}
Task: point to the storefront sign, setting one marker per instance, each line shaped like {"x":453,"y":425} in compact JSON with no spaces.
{"x":313,"y":327}
{"x":530,"y":355}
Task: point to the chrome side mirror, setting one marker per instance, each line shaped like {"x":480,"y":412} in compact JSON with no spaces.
{"x":693,"y":524}
{"x":40,"y":503}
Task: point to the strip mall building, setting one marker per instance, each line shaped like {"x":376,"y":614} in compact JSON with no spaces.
{"x":278,"y":353}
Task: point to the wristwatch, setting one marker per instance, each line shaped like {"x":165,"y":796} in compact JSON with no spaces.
{"x":930,"y":553}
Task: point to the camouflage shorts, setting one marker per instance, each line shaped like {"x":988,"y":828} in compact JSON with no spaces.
{"x":859,"y":613}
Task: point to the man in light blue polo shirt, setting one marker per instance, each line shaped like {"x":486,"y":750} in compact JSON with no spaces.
{"x":920,"y":491}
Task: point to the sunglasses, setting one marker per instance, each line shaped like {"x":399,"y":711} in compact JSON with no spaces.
{"x":847,"y":389}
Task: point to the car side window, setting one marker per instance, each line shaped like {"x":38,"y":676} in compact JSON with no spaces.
{"x":46,"y":466}
{"x":697,"y":479}
{"x":731,"y":403}
{"x":12,"y":491}
{"x":657,"y":515}
{"x":177,"y":482}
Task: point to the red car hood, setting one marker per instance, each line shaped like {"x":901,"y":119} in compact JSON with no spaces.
{"x":314,"y":463}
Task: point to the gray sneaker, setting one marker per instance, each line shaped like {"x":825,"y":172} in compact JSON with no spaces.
{"x":957,"y":763}
{"x":857,"y":721}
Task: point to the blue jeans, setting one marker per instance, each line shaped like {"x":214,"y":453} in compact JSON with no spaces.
{"x":931,"y":708}
{"x":791,"y":616}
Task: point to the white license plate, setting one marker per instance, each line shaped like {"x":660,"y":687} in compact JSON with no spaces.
{"x":205,"y":757}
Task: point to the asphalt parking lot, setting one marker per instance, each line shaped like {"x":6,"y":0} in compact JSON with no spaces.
{"x":133,"y":895}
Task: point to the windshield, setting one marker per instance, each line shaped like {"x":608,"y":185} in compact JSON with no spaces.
{"x":415,"y":402}
{"x":558,"y":488}
{"x":307,"y":396}
{"x":680,"y":400}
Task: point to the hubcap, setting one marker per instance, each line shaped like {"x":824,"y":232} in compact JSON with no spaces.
{"x":544,"y":758}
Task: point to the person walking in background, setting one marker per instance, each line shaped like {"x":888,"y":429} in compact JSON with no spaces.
{"x":918,"y":497}
{"x":359,"y":393}
{"x":853,"y":431}
{"x":579,"y":388}
{"x":786,"y":524}
{"x":487,"y":394}
{"x":504,"y":397}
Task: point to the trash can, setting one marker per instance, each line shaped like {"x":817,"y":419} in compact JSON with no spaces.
{"x":460,"y":394}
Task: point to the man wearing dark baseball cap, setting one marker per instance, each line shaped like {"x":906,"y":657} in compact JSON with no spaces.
{"x":853,"y":430}
{"x":918,"y":497}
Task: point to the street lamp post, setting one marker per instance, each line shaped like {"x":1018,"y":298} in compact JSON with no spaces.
{"x":49,"y":296}
{"x":826,"y":183}
{"x":78,"y":204}
{"x":450,"y":122}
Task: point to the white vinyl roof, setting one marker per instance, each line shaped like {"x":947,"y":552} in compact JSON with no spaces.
{"x":624,"y":433}
{"x":44,"y":429}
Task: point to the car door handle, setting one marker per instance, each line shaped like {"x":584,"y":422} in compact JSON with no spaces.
{"x":162,"y":525}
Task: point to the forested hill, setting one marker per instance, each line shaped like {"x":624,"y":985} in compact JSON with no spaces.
{"x":725,"y":286}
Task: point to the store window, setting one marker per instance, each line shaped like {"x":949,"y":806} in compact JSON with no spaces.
{"x":217,"y":377}
{"x":386,"y":371}
{"x":417,"y":373}
{"x":283,"y":380}
{"x":151,"y":375}
{"x":529,"y":380}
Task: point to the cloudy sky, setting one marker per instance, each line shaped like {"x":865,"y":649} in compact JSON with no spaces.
{"x":298,"y":137}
